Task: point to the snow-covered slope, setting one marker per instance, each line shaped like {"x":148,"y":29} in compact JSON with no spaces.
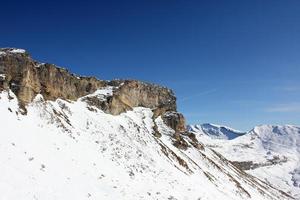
{"x":271,"y":153}
{"x":215,"y":131}
{"x":72,"y":150}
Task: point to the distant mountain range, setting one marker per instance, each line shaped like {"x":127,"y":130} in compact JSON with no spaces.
{"x":271,"y":153}
{"x":216,"y":131}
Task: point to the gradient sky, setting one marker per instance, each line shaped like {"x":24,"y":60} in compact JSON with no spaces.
{"x":229,"y":62}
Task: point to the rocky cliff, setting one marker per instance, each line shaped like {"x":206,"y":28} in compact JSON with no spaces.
{"x":27,"y":78}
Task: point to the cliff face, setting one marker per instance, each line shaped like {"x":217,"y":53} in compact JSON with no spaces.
{"x":133,"y":93}
{"x":27,"y":78}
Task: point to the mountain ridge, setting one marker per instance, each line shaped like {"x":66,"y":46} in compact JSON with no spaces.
{"x":216,"y":131}
{"x":270,"y":152}
{"x":111,"y":140}
{"x":28,"y":78}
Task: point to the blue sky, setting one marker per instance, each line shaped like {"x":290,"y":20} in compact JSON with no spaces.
{"x":229,"y":62}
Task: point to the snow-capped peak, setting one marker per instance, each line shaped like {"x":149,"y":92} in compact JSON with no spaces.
{"x":278,"y":137}
{"x":216,"y":131}
{"x":270,"y":152}
{"x":4,"y":51}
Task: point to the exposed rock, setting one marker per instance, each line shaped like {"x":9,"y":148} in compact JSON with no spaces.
{"x":156,"y":131}
{"x":174,"y":120}
{"x":193,"y":141}
{"x":247,"y":165}
{"x":27,"y":78}
{"x":103,"y":104}
{"x":179,"y":141}
{"x":132,"y":93}
{"x":57,"y":82}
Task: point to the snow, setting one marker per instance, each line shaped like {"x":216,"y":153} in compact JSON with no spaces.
{"x":216,"y":131}
{"x":101,"y":93}
{"x":106,"y":91}
{"x":11,"y":50}
{"x":261,"y":145}
{"x":296,"y":177}
{"x":17,"y":51}
{"x":2,"y":76}
{"x":62,"y":150}
{"x":39,"y":65}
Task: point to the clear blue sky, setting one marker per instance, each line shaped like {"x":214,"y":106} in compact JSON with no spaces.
{"x":229,"y":62}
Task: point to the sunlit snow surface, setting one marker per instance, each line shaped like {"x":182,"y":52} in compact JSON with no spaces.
{"x":62,"y":150}
{"x":17,"y":51}
{"x":261,"y":145}
{"x":215,"y":131}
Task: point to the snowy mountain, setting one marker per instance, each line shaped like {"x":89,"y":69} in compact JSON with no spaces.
{"x":215,"y":131}
{"x":65,"y":136}
{"x":271,"y":153}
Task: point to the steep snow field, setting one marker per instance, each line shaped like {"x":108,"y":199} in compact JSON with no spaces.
{"x":271,"y":153}
{"x":70,"y":150}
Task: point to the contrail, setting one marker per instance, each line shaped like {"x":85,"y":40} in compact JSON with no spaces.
{"x":197,"y":95}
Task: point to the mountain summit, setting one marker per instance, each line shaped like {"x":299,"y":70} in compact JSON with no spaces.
{"x":270,"y":152}
{"x":216,"y":131}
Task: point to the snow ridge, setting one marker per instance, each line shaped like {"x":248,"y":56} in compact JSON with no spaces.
{"x":4,"y":51}
{"x":216,"y":131}
{"x":269,"y":152}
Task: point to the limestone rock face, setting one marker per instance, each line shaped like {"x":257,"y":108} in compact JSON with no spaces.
{"x":27,"y":78}
{"x":56,"y":82}
{"x":175,"y":120}
{"x":132,"y":93}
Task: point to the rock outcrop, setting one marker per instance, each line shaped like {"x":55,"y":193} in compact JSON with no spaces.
{"x":27,"y":78}
{"x":174,"y":120}
{"x":133,"y":93}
